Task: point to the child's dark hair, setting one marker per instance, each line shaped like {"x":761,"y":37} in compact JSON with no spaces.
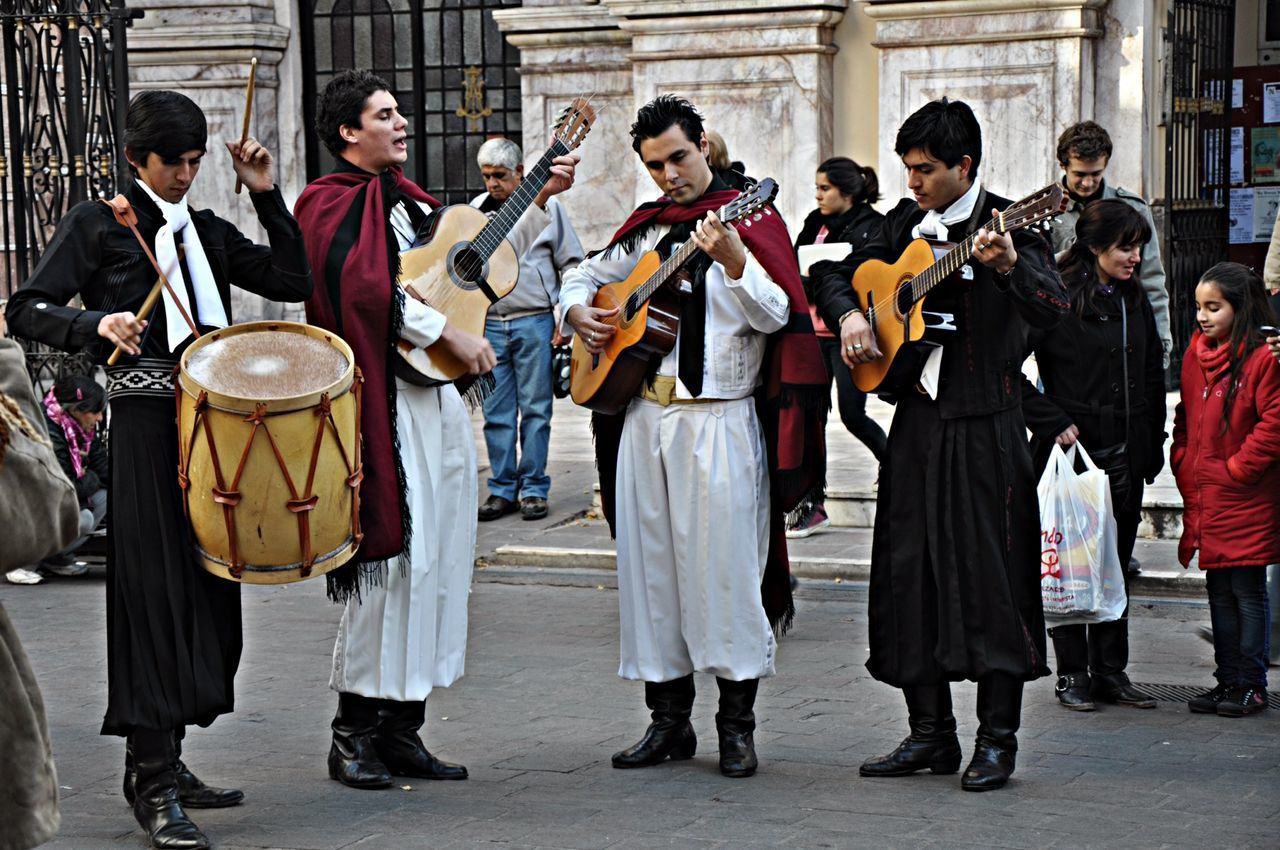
{"x":947,"y":129}
{"x":1242,"y":288}
{"x":165,"y":123}
{"x":1102,"y":225}
{"x":80,"y":394}
{"x":341,"y":104}
{"x":853,"y":180}
{"x":662,"y":113}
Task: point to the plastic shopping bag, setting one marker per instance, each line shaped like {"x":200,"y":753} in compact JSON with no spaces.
{"x":1080,"y":576}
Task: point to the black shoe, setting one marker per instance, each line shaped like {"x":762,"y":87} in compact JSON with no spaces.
{"x":353,"y":759}
{"x":400,"y":748}
{"x":156,"y":806}
{"x":1116,"y":689}
{"x":495,"y":507}
{"x":192,"y":792}
{"x":670,"y":735}
{"x":1243,"y":701}
{"x":938,"y":755}
{"x":533,"y":507}
{"x":990,"y":767}
{"x":1207,"y":702}
{"x":1073,"y":692}
{"x":735,"y":727}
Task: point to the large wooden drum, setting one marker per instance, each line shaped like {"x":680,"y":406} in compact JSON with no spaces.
{"x":269,"y":453}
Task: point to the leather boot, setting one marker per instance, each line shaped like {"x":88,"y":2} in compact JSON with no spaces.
{"x":736,"y":726}
{"x":192,"y":792}
{"x":156,"y":804}
{"x":399,"y":747}
{"x":670,"y":735}
{"x":1072,"y":690}
{"x":1115,"y":688}
{"x":353,"y":760}
{"x":996,"y":750}
{"x":932,"y":743}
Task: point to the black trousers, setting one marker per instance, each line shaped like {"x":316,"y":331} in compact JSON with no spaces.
{"x":851,"y":400}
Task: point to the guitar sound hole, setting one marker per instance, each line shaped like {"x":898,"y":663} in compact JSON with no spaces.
{"x":904,"y":298}
{"x":468,"y":263}
{"x":630,"y":309}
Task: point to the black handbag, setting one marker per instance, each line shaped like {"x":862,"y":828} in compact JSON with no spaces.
{"x":1114,"y":459}
{"x":561,"y":360}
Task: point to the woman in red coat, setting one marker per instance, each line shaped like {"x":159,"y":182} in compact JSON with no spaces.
{"x":1226,"y":441}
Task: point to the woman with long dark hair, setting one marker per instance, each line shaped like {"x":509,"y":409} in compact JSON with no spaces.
{"x":845,"y":192}
{"x":1103,"y":386}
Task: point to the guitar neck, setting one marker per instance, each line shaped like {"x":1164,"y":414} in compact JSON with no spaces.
{"x":669,"y":266}
{"x":490,"y":237}
{"x":949,"y":263}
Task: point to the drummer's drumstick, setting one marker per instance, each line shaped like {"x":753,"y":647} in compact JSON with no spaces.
{"x":248,"y":109}
{"x":145,"y":310}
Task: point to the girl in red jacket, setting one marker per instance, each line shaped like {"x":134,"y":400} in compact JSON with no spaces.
{"x":1226,"y":441}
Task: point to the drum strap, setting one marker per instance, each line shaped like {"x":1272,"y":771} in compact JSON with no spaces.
{"x":123,"y":211}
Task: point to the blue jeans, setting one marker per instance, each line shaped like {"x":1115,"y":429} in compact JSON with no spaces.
{"x":523,"y":386}
{"x":1241,"y":624}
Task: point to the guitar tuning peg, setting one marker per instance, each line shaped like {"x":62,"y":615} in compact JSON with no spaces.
{"x":758,"y":216}
{"x":746,"y":223}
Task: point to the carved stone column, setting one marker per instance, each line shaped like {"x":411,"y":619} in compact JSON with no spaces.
{"x":1025,"y":66}
{"x":202,"y":48}
{"x":567,"y":50}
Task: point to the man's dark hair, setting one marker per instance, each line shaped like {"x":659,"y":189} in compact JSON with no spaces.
{"x":947,"y":130}
{"x":342,"y":102}
{"x":1086,"y":140}
{"x":662,"y":113}
{"x":165,"y":123}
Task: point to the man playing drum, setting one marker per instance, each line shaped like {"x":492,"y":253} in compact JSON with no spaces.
{"x":404,"y":629}
{"x":173,"y":630}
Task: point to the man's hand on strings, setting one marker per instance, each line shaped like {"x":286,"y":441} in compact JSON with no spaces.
{"x":994,"y":250}
{"x":592,"y":325}
{"x":722,"y":244}
{"x":857,"y":341}
{"x":474,"y":351}
{"x":562,"y":168}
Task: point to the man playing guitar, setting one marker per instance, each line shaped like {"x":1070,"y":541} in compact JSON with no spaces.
{"x":955,"y":556}
{"x":702,"y":571}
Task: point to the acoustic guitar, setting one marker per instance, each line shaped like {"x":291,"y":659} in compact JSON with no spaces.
{"x":649,"y":315}
{"x":466,"y":263}
{"x":890,"y":296}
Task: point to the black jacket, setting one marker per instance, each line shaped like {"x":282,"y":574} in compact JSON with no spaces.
{"x":97,"y":468}
{"x":981,"y":361}
{"x":1082,"y":366}
{"x":858,"y":226}
{"x":94,"y":257}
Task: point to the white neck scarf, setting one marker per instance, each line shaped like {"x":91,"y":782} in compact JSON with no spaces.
{"x":209,"y":309}
{"x":934,"y":224}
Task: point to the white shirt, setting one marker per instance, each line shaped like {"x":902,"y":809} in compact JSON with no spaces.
{"x":740,"y":313}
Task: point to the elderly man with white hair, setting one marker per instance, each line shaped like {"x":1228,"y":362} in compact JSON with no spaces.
{"x":520,"y":327}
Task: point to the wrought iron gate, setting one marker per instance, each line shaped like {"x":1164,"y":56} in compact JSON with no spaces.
{"x":1200,"y":44}
{"x":64,"y":85}
{"x":454,"y":75}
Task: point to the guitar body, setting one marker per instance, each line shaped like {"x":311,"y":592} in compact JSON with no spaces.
{"x":444,"y":274}
{"x":606,"y":382}
{"x":883,"y":292}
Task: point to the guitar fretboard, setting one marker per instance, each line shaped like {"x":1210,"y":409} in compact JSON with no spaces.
{"x":669,"y":266}
{"x":491,"y":236}
{"x":949,"y":263}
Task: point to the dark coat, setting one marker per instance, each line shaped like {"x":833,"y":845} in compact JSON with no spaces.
{"x":1229,"y":481}
{"x":1082,"y":367}
{"x":955,"y":559}
{"x":982,"y":366}
{"x":29,"y":807}
{"x":858,"y":226}
{"x":97,"y":470}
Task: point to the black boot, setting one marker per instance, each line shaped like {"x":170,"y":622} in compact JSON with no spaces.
{"x":399,"y":747}
{"x":736,"y":726}
{"x":156,"y":803}
{"x":932,"y":743}
{"x":996,"y":750}
{"x":670,"y":734}
{"x":192,"y":792}
{"x":1073,"y":692}
{"x":1116,"y":689}
{"x":353,"y":760}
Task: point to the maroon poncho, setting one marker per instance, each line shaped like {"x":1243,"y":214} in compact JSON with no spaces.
{"x":344,"y":218}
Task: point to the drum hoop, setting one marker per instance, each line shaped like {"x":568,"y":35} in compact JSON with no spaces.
{"x":275,"y":406}
{"x":346,"y":545}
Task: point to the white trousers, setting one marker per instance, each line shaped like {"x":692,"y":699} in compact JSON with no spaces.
{"x":693,"y":537}
{"x":409,"y":635}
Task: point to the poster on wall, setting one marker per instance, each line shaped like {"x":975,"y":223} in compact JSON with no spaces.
{"x":1265,"y":203}
{"x":1240,"y":229}
{"x":1264,"y":147}
{"x":1271,"y":103}
{"x":1237,"y":155}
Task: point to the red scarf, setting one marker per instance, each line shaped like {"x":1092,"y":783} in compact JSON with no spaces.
{"x":1215,"y":360}
{"x":791,"y":402}
{"x":78,"y":439}
{"x":356,"y":297}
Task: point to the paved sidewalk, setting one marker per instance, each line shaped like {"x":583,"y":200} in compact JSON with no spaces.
{"x":541,"y":710}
